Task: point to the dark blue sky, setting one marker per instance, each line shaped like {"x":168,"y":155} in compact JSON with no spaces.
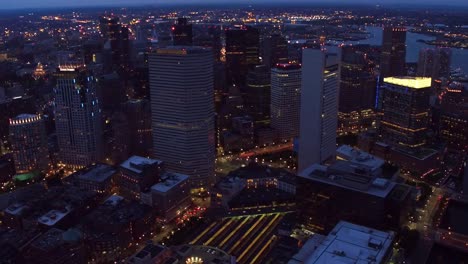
{"x":6,"y":4}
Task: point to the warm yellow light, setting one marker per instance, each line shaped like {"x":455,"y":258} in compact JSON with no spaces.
{"x":410,"y":82}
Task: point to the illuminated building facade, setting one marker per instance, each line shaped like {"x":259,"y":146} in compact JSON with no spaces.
{"x":393,"y":58}
{"x":29,"y":143}
{"x":78,"y":117}
{"x":453,"y":122}
{"x":182,"y":107}
{"x":319,"y":106}
{"x":357,"y":92}
{"x":257,"y":94}
{"x":242,"y":52}
{"x":286,"y":100}
{"x":182,"y":32}
{"x":405,"y":109}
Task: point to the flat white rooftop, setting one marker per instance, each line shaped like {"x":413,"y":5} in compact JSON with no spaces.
{"x":359,"y":157}
{"x":134,"y":162}
{"x":379,"y":187}
{"x":350,"y":243}
{"x":54,"y":216}
{"x":170,"y":180}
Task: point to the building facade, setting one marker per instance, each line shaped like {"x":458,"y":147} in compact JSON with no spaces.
{"x":78,"y":117}
{"x":182,"y":107}
{"x":319,"y":106}
{"x":286,"y":100}
{"x":29,"y":143}
{"x":405,"y":109}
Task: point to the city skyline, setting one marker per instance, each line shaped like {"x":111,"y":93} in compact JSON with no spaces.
{"x":26,"y":4}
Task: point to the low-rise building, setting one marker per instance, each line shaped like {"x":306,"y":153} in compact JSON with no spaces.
{"x":171,"y":196}
{"x":347,"y":243}
{"x":97,"y":177}
{"x":136,"y":175}
{"x":346,"y":191}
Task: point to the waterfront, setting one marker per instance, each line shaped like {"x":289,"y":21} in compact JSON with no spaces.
{"x":459,"y":56}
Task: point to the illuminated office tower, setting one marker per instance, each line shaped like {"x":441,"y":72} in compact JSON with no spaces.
{"x":393,"y":58}
{"x":286,"y":100}
{"x":182,"y":32}
{"x":257,"y":94}
{"x":242,"y":52}
{"x":319,"y":106}
{"x":78,"y":117}
{"x":357,"y":91}
{"x":182,"y":108}
{"x":29,"y":143}
{"x":405,"y":109}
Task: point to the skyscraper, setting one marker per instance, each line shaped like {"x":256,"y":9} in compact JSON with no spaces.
{"x":257,"y":94}
{"x":78,"y":117}
{"x":405,"y":111}
{"x":182,"y":107}
{"x":29,"y":143}
{"x":286,"y":100}
{"x":242,"y":52}
{"x":275,"y":50}
{"x":182,"y":32}
{"x":434,"y":63}
{"x":393,"y":58}
{"x":357,"y":91}
{"x":111,"y":30}
{"x":319,"y":106}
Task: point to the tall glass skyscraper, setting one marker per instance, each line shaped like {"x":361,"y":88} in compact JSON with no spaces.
{"x":393,"y":58}
{"x":406,"y":110}
{"x":182,"y":108}
{"x":77,"y":117}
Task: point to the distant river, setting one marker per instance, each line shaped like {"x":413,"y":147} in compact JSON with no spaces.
{"x":459,"y":56}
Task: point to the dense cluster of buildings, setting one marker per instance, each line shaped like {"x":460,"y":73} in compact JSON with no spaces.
{"x":116,"y":132}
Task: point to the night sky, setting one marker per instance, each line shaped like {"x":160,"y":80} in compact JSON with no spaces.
{"x":5,"y":4}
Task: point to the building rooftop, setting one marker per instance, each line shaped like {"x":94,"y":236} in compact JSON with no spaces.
{"x":256,"y":171}
{"x":50,"y":240}
{"x":344,"y":175}
{"x":181,"y":50}
{"x":96,"y":173}
{"x":54,"y":216}
{"x":137,"y":163}
{"x":356,"y":156}
{"x":169,"y":181}
{"x":349,"y":243}
{"x":209,"y":255}
{"x":148,"y":252}
{"x":411,"y":82}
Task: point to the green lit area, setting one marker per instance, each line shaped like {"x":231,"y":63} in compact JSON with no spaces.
{"x":26,"y":176}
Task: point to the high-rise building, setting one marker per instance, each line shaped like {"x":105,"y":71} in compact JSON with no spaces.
{"x":275,"y":50}
{"x":29,"y":143}
{"x":357,"y":91}
{"x":182,"y":32}
{"x":111,"y":30}
{"x":257,"y":94}
{"x":182,"y":108}
{"x":405,"y":109}
{"x":242,"y":52}
{"x":286,"y":100}
{"x":393,"y":58}
{"x":78,"y":117}
{"x":319,"y":106}
{"x":434,"y":63}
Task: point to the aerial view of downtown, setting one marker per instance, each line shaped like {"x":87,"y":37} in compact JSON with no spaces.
{"x":224,"y":132}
